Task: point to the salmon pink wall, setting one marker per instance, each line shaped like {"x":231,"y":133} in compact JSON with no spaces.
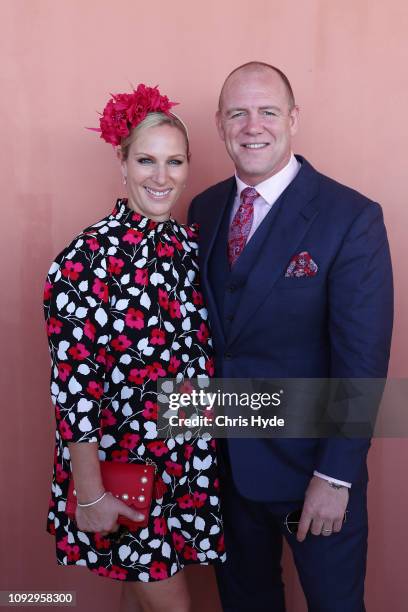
{"x":59,"y":59}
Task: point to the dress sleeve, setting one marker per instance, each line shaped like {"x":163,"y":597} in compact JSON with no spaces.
{"x":76,"y":309}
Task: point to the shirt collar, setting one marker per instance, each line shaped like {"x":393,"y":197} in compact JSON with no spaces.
{"x":271,"y":188}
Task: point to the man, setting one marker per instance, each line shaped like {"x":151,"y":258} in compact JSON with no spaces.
{"x":297,"y":276}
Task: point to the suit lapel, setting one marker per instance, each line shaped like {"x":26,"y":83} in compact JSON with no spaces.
{"x":208,"y":232}
{"x":296,"y":214}
{"x":210,"y":224}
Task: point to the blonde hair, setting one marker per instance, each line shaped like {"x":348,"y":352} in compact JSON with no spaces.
{"x":154,"y":120}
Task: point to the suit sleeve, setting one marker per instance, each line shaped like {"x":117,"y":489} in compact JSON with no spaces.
{"x":360,"y":328}
{"x":76,"y":314}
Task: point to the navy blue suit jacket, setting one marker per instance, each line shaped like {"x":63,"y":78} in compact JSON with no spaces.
{"x":336,"y":324}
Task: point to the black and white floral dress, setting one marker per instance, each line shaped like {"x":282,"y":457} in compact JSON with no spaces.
{"x":123,"y":308}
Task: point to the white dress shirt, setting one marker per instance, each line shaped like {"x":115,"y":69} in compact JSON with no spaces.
{"x":269,"y":191}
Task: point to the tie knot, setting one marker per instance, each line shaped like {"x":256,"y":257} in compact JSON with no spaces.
{"x":249,"y":195}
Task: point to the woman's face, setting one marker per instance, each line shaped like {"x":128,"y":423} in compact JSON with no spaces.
{"x":156,"y":171}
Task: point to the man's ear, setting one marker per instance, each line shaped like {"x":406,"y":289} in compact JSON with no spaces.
{"x":219,"y":124}
{"x":294,"y":120}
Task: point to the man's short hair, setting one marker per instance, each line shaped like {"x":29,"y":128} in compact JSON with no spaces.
{"x":260,"y":66}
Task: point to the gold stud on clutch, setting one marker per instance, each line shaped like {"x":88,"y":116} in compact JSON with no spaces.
{"x":141,"y":498}
{"x":125,"y":496}
{"x":143,"y":479}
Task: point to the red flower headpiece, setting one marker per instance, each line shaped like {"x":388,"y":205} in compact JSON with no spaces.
{"x":124,"y":111}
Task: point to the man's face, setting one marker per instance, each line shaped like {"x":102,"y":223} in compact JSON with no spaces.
{"x":256,"y":124}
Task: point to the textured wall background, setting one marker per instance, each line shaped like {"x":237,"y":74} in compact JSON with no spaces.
{"x":59,"y":60}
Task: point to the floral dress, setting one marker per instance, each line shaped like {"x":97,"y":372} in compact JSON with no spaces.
{"x":123,"y":308}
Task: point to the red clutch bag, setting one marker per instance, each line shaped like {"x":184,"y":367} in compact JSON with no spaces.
{"x":132,"y":483}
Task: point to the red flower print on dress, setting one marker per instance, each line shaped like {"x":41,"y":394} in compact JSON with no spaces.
{"x":78,"y":352}
{"x":203,"y":333}
{"x":173,"y":468}
{"x":63,"y":543}
{"x":174,"y":309}
{"x":65,"y":431}
{"x":192,"y":230}
{"x":199,"y":499}
{"x":107,"y":418}
{"x":209,"y":366}
{"x":158,"y":570}
{"x":160,"y":526}
{"x":115,"y":265}
{"x":129,"y":441}
{"x":60,"y":474}
{"x":186,"y":501}
{"x":101,"y":571}
{"x":105,"y":358}
{"x":186,"y":387}
{"x":164,"y":250}
{"x":95,"y":389}
{"x":101,"y":542}
{"x":121,"y":343}
{"x":176,"y":243}
{"x":178,"y":541}
{"x":163,"y":299}
{"x":217,"y":483}
{"x":142,"y":277}
{"x":137,"y":376}
{"x":198,"y":298}
{"x":72,"y":269}
{"x":122,"y":456}
{"x":51,"y":528}
{"x":134,"y":318}
{"x":92,"y":243}
{"x":158,"y":448}
{"x":119,"y":573}
{"x":47,"y":291}
{"x":113,"y":306}
{"x":54,"y":326}
{"x":174,"y":365}
{"x":155,"y":370}
{"x":190,"y":553}
{"x":132,"y":236}
{"x":221,"y":544}
{"x":100,"y":289}
{"x":89,"y":330}
{"x":150,"y":411}
{"x":188,"y":451}
{"x":158,"y":336}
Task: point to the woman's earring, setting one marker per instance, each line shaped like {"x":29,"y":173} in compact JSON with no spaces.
{"x":124,"y":180}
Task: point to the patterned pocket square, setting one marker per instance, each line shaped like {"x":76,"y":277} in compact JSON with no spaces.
{"x":301,"y":265}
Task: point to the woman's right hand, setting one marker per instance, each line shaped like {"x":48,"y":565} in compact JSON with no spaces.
{"x":103,"y":516}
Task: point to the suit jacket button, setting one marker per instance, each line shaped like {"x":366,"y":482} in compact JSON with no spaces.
{"x":228,"y":355}
{"x":229,"y":317}
{"x":232,"y":288}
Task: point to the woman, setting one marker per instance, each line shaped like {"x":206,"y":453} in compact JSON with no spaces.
{"x":123,"y":308}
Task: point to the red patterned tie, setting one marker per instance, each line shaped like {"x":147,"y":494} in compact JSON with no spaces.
{"x":241,"y":224}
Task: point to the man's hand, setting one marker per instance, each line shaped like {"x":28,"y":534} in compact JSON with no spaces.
{"x":323,"y":509}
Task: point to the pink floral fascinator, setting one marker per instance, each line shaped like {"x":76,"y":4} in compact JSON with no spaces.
{"x":125,"y":111}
